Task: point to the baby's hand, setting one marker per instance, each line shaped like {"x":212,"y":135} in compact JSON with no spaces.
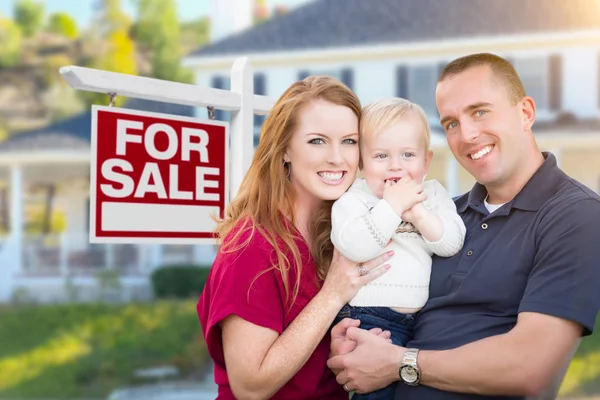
{"x":414,"y":213}
{"x":403,"y":194}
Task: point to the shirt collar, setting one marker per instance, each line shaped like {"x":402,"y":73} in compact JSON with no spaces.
{"x":534,"y":194}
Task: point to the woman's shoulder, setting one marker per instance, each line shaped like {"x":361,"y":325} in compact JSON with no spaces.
{"x":245,"y":235}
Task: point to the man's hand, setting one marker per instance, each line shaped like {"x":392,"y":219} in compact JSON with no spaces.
{"x":372,"y":365}
{"x":340,"y":342}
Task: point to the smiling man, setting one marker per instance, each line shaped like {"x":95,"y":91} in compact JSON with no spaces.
{"x":506,"y":313}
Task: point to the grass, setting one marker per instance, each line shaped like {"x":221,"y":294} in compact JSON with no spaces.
{"x":583,"y":376}
{"x":87,"y":350}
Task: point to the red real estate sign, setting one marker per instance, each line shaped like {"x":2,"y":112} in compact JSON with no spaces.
{"x":156,"y":178}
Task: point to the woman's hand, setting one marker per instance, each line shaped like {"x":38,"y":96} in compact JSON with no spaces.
{"x":346,"y":277}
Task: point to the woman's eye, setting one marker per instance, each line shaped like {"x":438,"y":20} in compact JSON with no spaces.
{"x":350,"y":141}
{"x":316,"y":141}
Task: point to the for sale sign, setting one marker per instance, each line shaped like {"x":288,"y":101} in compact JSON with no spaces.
{"x":156,"y":178}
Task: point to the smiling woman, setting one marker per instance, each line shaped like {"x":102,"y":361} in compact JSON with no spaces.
{"x":276,"y":285}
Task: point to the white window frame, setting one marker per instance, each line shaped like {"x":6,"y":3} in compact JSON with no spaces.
{"x":542,"y":72}
{"x":432,"y":113}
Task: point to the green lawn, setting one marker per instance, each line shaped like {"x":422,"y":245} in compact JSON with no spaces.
{"x":84,"y":350}
{"x":583,"y":376}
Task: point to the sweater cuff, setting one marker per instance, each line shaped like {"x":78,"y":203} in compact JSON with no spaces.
{"x":450,"y":243}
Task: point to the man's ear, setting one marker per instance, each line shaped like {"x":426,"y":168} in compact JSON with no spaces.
{"x":528,"y":109}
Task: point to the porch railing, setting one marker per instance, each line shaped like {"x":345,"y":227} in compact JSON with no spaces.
{"x":71,"y":254}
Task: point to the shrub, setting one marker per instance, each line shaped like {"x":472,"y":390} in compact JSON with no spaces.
{"x":179,"y":281}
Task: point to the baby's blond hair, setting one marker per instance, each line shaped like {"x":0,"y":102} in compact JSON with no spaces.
{"x":380,"y":115}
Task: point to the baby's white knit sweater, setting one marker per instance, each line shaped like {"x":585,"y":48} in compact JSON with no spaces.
{"x":362,"y":226}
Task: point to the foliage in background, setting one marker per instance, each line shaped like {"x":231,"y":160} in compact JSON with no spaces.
{"x":29,"y":15}
{"x":63,"y":24}
{"x":10,"y":40}
{"x":179,"y":281}
{"x":158,"y":29}
{"x":583,"y":375}
{"x":85,"y":351}
{"x":115,"y":51}
{"x":194,"y":34}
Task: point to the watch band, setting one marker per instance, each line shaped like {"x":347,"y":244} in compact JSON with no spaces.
{"x":410,"y":357}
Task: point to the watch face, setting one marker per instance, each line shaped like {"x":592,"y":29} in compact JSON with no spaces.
{"x":409,"y":374}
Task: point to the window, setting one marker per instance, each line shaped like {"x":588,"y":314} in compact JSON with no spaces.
{"x":534,"y":74}
{"x":345,"y":75}
{"x":422,"y":82}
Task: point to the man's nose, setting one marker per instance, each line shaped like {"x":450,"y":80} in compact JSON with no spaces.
{"x":469,"y":131}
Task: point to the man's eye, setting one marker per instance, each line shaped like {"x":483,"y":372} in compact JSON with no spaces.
{"x":452,"y":125}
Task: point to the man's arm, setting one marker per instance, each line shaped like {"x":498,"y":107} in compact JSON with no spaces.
{"x":521,"y":362}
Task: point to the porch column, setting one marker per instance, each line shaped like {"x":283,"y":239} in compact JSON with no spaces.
{"x":452,"y":180}
{"x":16,"y":216}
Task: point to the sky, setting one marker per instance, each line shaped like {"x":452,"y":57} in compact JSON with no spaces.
{"x":81,"y":10}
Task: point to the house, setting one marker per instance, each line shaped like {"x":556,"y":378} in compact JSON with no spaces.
{"x":50,"y":167}
{"x":390,"y":48}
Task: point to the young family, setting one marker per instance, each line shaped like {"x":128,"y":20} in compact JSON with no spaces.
{"x":342,"y":269}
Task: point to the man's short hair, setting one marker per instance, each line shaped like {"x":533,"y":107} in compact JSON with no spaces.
{"x":501,"y":68}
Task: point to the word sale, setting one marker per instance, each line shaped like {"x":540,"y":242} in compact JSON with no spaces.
{"x":151,"y":181}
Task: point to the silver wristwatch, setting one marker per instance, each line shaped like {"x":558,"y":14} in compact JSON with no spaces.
{"x":409,"y":370}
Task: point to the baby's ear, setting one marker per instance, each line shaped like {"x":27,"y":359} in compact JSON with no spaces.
{"x":428,"y":158}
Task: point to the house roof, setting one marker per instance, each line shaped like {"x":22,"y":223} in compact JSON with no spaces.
{"x":325,"y":24}
{"x":75,"y":133}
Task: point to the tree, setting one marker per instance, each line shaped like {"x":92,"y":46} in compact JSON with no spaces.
{"x":158,"y":30}
{"x":10,"y":43}
{"x":29,"y":15}
{"x":194,"y":34}
{"x":63,"y":24}
{"x":115,"y":51}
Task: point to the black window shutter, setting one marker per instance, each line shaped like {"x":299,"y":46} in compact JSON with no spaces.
{"x":303,"y":74}
{"x":259,"y":88}
{"x":218,"y":82}
{"x":347,"y":76}
{"x":441,"y":67}
{"x":402,"y":81}
{"x":555,"y":81}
